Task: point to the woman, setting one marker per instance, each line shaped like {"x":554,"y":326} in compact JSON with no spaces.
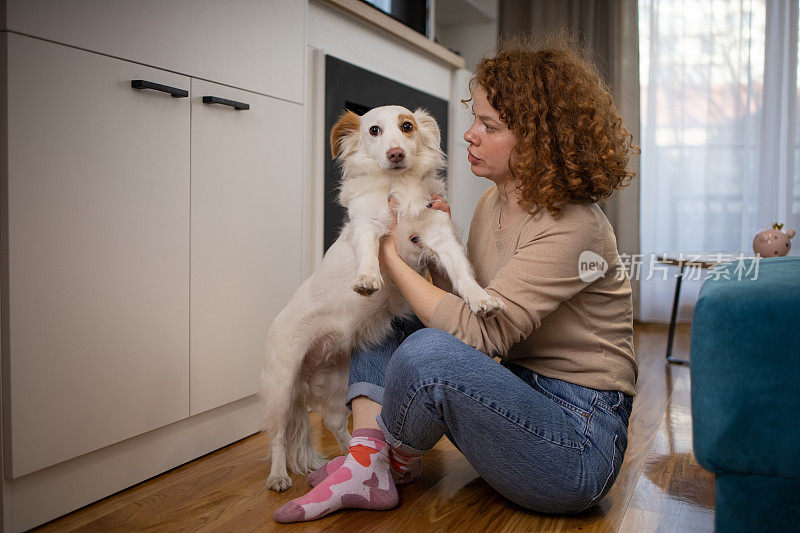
{"x":546,"y":426}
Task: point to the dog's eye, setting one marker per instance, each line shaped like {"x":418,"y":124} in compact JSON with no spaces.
{"x":374,"y":131}
{"x":407,"y":126}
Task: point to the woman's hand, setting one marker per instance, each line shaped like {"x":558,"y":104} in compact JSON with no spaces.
{"x":388,"y":245}
{"x":437,"y":202}
{"x":438,"y":279}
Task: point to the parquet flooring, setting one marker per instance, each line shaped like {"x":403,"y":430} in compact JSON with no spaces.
{"x":660,"y":487}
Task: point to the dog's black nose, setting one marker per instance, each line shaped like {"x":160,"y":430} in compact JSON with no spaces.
{"x":396,"y":155}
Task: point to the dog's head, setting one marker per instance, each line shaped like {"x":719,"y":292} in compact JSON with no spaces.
{"x":387,"y":139}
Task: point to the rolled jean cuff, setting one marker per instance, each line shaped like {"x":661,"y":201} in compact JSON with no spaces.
{"x":364,"y":388}
{"x":392,"y":441}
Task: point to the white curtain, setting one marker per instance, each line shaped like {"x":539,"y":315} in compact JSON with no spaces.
{"x":719,"y":135}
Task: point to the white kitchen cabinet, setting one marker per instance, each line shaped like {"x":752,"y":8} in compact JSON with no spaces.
{"x":254,"y":45}
{"x":151,"y":239}
{"x":98,"y":253}
{"x":245,"y":236}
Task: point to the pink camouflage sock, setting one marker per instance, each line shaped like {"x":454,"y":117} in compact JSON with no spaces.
{"x":361,"y":482}
{"x":320,"y":474}
{"x":405,"y":468}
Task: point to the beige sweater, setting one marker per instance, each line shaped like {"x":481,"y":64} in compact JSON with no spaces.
{"x":554,"y":323}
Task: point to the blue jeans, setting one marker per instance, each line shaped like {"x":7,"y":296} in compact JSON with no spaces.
{"x":545,"y":444}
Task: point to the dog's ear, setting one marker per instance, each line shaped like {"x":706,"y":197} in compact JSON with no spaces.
{"x":345,"y":129}
{"x":428,"y":129}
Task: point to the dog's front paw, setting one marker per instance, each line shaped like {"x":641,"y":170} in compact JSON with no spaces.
{"x":367,"y":284}
{"x":483,"y":304}
{"x":279,"y":483}
{"x":490,"y":306}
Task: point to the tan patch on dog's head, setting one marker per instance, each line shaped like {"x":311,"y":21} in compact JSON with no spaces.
{"x":403,"y":119}
{"x":346,"y":126}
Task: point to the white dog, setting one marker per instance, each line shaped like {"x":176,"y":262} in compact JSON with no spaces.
{"x":346,"y":304}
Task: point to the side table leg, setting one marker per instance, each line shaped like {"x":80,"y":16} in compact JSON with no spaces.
{"x":674,"y":319}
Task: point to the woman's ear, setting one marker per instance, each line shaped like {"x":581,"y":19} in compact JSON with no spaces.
{"x":344,"y":134}
{"x":428,"y":129}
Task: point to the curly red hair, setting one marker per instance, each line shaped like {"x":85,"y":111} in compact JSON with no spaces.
{"x":571,"y":144}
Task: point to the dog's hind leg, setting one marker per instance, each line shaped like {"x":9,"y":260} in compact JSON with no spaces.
{"x":278,"y":479}
{"x":279,"y":396}
{"x":303,"y":457}
{"x":336,"y":412}
{"x":336,"y":422}
{"x":285,"y":349}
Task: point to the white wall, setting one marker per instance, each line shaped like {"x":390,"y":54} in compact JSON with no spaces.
{"x":465,"y":189}
{"x":472,"y":41}
{"x":460,"y":28}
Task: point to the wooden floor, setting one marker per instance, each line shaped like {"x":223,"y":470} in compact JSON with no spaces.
{"x":660,"y":487}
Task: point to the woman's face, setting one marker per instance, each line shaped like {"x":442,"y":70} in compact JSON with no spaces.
{"x":490,"y":140}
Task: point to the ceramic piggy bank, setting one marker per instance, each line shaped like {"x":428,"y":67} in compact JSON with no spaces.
{"x":772,"y":242}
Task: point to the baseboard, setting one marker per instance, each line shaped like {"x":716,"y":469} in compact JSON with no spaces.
{"x":57,"y":490}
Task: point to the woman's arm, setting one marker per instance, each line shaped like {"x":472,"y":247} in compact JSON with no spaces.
{"x":540,"y":275}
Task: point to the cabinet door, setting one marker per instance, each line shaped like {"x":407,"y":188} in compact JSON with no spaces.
{"x":98,"y":216}
{"x":246,"y":249}
{"x":254,"y":45}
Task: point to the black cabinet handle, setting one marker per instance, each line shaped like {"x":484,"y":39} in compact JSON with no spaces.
{"x":218,"y":100}
{"x":174,"y":91}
